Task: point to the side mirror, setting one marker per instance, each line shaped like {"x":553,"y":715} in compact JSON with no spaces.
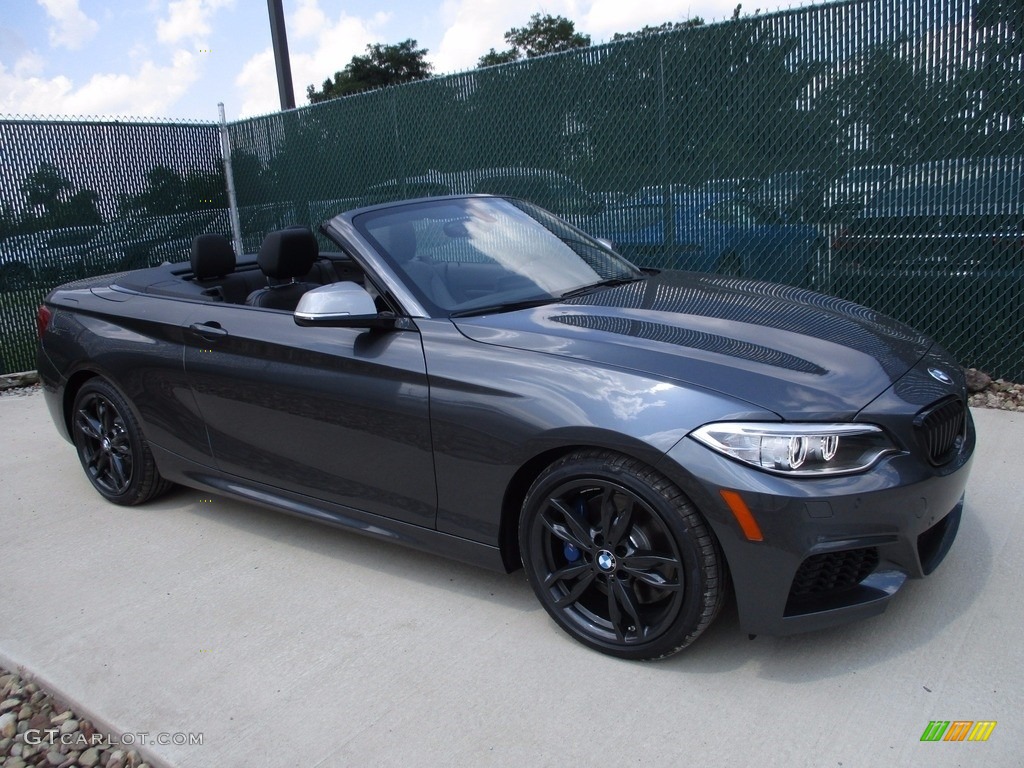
{"x":340,"y":305}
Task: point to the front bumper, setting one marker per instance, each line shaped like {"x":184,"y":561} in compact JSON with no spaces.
{"x":833,"y":549}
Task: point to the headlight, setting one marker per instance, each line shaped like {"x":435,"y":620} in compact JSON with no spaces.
{"x":799,"y":449}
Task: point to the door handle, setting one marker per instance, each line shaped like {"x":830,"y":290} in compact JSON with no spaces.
{"x":210,"y":331}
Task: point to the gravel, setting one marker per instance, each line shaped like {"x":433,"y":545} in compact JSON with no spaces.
{"x":986,"y":392}
{"x":38,"y":730}
{"x":19,"y":391}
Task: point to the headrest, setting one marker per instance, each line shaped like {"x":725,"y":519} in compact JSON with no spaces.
{"x":212,"y":256}
{"x":401,"y":241}
{"x":288,"y":253}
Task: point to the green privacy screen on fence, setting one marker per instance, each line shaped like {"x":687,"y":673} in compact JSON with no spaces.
{"x":871,"y":150}
{"x":84,"y":198}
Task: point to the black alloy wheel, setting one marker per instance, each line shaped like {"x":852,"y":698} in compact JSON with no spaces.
{"x":619,"y":557}
{"x":111,"y":447}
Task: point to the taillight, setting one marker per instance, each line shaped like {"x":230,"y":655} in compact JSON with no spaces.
{"x":43,"y":316}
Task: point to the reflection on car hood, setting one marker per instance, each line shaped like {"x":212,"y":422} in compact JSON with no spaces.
{"x":797,"y":353}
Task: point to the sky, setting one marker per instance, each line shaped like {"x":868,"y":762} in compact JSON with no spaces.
{"x":179,"y":58}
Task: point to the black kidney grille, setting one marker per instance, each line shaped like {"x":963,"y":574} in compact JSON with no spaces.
{"x":833,"y":571}
{"x":940,"y":429}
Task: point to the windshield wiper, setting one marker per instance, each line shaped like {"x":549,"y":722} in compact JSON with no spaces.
{"x":509,"y":306}
{"x":608,"y":283}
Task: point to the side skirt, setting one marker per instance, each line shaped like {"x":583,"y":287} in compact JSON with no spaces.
{"x":185,"y":472}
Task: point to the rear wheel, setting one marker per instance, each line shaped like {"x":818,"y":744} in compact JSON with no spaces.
{"x":113,"y":451}
{"x":618,"y":556}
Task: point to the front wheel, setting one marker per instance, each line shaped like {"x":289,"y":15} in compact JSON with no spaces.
{"x":113,"y":451}
{"x":619,"y":557}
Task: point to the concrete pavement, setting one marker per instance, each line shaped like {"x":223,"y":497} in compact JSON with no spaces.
{"x":285,"y":643}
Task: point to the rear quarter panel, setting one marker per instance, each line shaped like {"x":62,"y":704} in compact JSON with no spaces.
{"x":135,"y":342}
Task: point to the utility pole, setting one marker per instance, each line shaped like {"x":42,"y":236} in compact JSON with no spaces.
{"x":284,"y":65}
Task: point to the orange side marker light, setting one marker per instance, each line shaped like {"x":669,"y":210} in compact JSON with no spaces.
{"x":743,"y":516}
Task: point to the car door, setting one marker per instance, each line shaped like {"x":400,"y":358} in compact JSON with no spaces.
{"x":339,"y":414}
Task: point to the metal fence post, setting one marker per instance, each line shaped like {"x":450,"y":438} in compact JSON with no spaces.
{"x":225,"y":148}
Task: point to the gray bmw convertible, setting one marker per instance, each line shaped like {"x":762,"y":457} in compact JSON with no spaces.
{"x":474,"y":377}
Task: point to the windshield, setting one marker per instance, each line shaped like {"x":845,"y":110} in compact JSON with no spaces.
{"x":462,"y":254}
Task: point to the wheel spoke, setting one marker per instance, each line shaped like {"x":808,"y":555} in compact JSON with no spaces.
{"x":577,"y":535}
{"x":100,"y":462}
{"x":104,"y":414}
{"x":120,"y":472}
{"x":120,"y":445}
{"x":614,"y":614}
{"x":624,"y":596}
{"x":88,"y":425}
{"x":623,"y":522}
{"x":607,"y":511}
{"x":569,"y":572}
{"x":643,"y":566}
{"x":577,"y":591}
{"x":642,"y":559}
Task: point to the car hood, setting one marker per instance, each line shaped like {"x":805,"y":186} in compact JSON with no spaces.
{"x":799,"y":354}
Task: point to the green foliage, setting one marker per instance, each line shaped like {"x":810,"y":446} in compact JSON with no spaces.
{"x":493,"y":57}
{"x":661,"y":29}
{"x":167,"y":191}
{"x":51,"y":203}
{"x":383,"y":65}
{"x":543,"y":35}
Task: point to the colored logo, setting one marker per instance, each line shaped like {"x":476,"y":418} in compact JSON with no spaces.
{"x":940,"y":375}
{"x":958,"y":730}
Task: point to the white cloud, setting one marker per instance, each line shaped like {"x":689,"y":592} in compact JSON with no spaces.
{"x":188,"y":20}
{"x":258,"y":84}
{"x":475,"y":26}
{"x":319,"y":46}
{"x":150,"y":90}
{"x":71,"y":28}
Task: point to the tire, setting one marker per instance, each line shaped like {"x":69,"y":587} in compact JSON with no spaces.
{"x":113,"y":451}
{"x":619,"y":557}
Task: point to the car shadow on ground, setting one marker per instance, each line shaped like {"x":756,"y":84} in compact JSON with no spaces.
{"x":430,"y":570}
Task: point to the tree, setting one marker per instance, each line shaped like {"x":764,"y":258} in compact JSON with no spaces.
{"x":47,"y":189}
{"x":80,"y":209}
{"x":543,"y":35}
{"x":167,"y":192}
{"x":44,"y":187}
{"x":493,"y":57}
{"x":383,"y":65}
{"x":664,"y":28}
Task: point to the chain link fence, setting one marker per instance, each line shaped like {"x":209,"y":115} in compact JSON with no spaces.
{"x":88,"y":197}
{"x":869,"y":149}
